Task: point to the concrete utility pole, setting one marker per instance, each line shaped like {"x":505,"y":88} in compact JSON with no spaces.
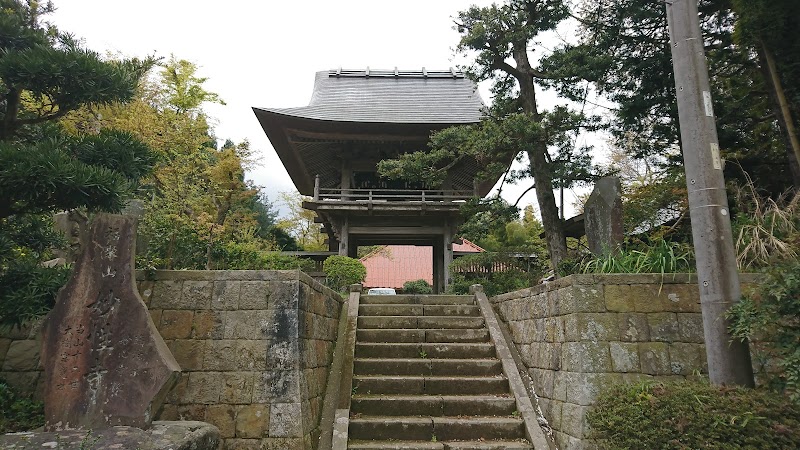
{"x":728,"y":360}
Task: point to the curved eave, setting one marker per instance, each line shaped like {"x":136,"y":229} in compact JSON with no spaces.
{"x":276,"y":125}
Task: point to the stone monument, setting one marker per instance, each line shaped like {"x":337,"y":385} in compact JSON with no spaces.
{"x":104,"y":362}
{"x":603,"y":216}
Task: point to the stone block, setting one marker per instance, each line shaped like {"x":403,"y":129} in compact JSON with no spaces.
{"x":538,"y":306}
{"x":22,"y":356}
{"x":284,"y":295}
{"x":146,"y":291}
{"x":624,"y":356}
{"x":220,"y":355}
{"x":585,"y":357}
{"x":248,"y":325}
{"x":633,"y":327}
{"x":663,"y":327}
{"x":253,"y":421}
{"x":553,"y":330}
{"x":597,"y":326}
{"x":285,"y":420}
{"x":583,"y":388}
{"x":176,"y":324}
{"x":618,"y":298}
{"x":274,"y":386}
{"x":167,"y":295}
{"x":224,"y":418}
{"x":243,"y":444}
{"x":560,"y":386}
{"x":283,"y":444}
{"x":204,"y":387}
{"x":588,"y":298}
{"x":23,"y":382}
{"x":647,"y":298}
{"x":573,"y":419}
{"x":686,"y":358}
{"x":196,"y":294}
{"x":192,"y":412}
{"x":168,"y":412}
{"x":177,"y":395}
{"x":225,"y":296}
{"x":681,"y":298}
{"x":208,"y":324}
{"x":238,"y":387}
{"x":690,"y":328}
{"x":189,"y":353}
{"x":254,"y":295}
{"x":654,"y":358}
{"x":155,"y":316}
{"x":571,"y":328}
{"x":543,"y":382}
{"x":251,"y":355}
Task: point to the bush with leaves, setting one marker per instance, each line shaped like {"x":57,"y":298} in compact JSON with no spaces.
{"x":417,"y":287}
{"x":18,"y":412}
{"x":658,"y":256}
{"x":771,"y":315}
{"x":693,"y":415}
{"x":341,"y":271}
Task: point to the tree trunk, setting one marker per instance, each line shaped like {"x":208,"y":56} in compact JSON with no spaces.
{"x":537,"y":155}
{"x":782,"y":111}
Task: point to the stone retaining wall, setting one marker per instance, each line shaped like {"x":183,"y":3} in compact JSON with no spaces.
{"x":255,"y":348}
{"x":582,"y":333}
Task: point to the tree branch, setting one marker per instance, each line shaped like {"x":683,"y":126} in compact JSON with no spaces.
{"x":533,"y":186}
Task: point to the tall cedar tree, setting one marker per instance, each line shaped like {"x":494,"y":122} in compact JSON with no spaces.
{"x":44,"y":74}
{"x":499,"y":38}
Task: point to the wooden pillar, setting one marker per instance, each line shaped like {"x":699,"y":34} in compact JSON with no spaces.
{"x":439,"y":275}
{"x":344,"y":237}
{"x":447,"y":256}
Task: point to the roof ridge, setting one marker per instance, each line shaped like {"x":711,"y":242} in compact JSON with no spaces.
{"x":373,"y":253}
{"x":469,"y":243}
{"x":395,"y":73}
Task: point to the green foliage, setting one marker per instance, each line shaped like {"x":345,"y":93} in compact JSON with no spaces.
{"x":17,"y":412}
{"x":771,"y":314}
{"x":341,"y":271}
{"x":660,"y":256}
{"x":693,"y":415}
{"x":183,"y":90}
{"x":417,"y":287}
{"x":45,"y":75}
{"x":497,"y":272}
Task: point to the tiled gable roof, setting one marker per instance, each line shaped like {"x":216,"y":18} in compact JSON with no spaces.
{"x":432,"y":97}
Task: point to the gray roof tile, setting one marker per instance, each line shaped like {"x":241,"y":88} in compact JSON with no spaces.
{"x":443,"y":97}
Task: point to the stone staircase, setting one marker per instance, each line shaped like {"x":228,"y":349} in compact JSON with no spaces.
{"x":426,"y":375}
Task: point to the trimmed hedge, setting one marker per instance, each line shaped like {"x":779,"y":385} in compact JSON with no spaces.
{"x":341,"y":271}
{"x":417,"y":287}
{"x":693,"y":415}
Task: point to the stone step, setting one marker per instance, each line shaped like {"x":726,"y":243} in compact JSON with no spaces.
{"x":418,"y":299}
{"x":423,"y":322}
{"x":435,"y":428}
{"x":425,"y":350}
{"x":426,"y":366}
{"x":438,"y":445}
{"x":417,"y":335}
{"x":418,"y":310}
{"x":433,"y":405}
{"x":429,"y":385}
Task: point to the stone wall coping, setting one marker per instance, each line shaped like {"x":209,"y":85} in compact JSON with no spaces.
{"x":237,"y":275}
{"x":613,"y":279}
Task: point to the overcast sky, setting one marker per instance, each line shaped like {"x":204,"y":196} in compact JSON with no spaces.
{"x":265,"y":53}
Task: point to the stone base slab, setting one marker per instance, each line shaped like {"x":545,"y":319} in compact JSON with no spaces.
{"x":183,"y":435}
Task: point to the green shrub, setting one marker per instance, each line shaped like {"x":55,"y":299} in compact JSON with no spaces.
{"x":772,"y":315}
{"x":17,"y":412}
{"x":341,"y":271}
{"x":660,"y":256}
{"x":693,"y":415}
{"x":417,"y":287}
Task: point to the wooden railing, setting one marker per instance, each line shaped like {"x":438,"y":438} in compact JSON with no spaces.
{"x":389,"y":195}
